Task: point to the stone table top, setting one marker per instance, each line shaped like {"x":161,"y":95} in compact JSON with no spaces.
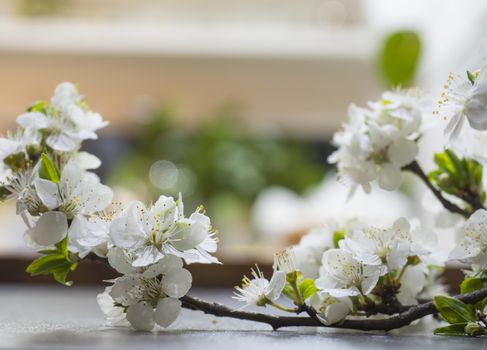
{"x":56,"y":317}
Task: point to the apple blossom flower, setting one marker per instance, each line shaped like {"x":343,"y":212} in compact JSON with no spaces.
{"x":330,"y":310}
{"x":67,"y":123}
{"x":149,"y":295}
{"x":464,"y":98}
{"x":342,"y":275}
{"x":150,"y":233}
{"x":260,"y":291}
{"x":472,"y":247}
{"x":78,"y":193}
{"x":87,"y":234}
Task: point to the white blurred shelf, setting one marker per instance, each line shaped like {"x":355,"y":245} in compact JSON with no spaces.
{"x":185,"y":38}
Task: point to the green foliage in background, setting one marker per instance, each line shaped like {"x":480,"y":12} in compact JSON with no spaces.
{"x":40,"y":7}
{"x":399,"y":58}
{"x":220,"y":163}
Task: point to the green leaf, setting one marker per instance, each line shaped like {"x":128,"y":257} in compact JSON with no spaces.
{"x":62,"y":247}
{"x":453,"y":310}
{"x":444,"y":162}
{"x":453,"y":329}
{"x":457,"y":163}
{"x":60,"y":276}
{"x":337,"y":237}
{"x":39,"y":106}
{"x":48,"y":170}
{"x":472,"y":284}
{"x":307,"y":288}
{"x":399,"y":57}
{"x":48,"y":264}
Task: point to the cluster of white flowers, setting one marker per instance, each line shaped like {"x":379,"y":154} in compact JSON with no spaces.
{"x":61,"y":200}
{"x":349,"y":265}
{"x":379,"y":140}
{"x":367,"y":254}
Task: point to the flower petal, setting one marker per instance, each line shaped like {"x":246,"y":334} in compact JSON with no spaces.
{"x":403,"y":152}
{"x":390,"y":177}
{"x":176,"y":282}
{"x":167,"y":311}
{"x":48,"y":193}
{"x":51,"y":228}
{"x":141,"y":316}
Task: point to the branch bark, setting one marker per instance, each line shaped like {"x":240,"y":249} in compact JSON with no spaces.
{"x":397,"y":321}
{"x":415,"y":168}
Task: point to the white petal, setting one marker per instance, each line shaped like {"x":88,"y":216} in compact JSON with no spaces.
{"x":176,"y":283}
{"x":167,"y":263}
{"x":336,"y":312}
{"x":390,"y":177}
{"x":126,"y":231}
{"x":147,"y":255}
{"x":62,"y":142}
{"x":51,"y":228}
{"x":34,"y":120}
{"x":87,"y":161}
{"x":370,"y":282}
{"x":276,"y":285}
{"x":193,"y":231}
{"x":48,"y":193}
{"x":118,"y":260}
{"x":113,"y":314}
{"x":141,"y":316}
{"x":403,"y":152}
{"x":167,"y":311}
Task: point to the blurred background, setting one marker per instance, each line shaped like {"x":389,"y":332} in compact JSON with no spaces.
{"x":232,"y":103}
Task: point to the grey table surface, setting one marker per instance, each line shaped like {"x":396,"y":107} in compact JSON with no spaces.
{"x":56,"y":317}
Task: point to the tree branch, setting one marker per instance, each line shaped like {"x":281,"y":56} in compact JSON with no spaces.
{"x":415,"y":168}
{"x":397,"y":321}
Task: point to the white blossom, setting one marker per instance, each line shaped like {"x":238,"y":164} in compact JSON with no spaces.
{"x":472,"y":247}
{"x":78,"y":193}
{"x":149,"y":299}
{"x":67,"y":122}
{"x":150,"y":233}
{"x":87,"y":234}
{"x":390,"y":247}
{"x":377,"y":142}
{"x":260,"y":291}
{"x":342,"y":275}
{"x":463,"y":100}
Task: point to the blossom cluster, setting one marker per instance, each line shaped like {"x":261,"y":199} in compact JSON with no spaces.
{"x":379,"y":140}
{"x":348,"y":270}
{"x":69,"y":215}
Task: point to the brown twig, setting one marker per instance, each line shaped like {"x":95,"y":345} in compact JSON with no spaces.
{"x":415,"y":168}
{"x":402,"y":319}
